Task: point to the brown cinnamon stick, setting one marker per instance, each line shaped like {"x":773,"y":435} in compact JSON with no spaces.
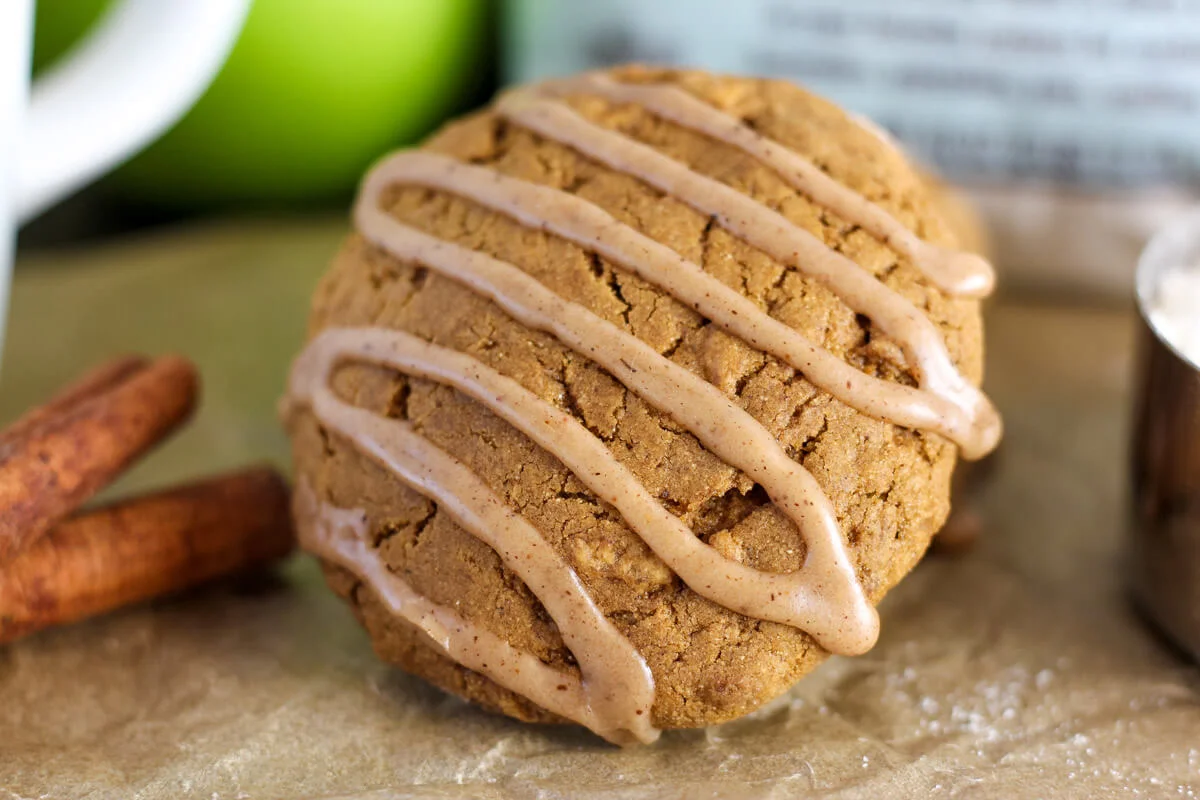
{"x":146,"y":547}
{"x":60,"y":454}
{"x":92,"y":383}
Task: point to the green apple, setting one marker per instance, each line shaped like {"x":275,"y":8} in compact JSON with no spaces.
{"x":313,"y":91}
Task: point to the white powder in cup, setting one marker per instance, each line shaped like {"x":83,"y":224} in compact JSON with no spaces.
{"x":1174,"y":310}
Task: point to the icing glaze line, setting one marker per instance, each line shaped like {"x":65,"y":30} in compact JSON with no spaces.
{"x":339,"y":536}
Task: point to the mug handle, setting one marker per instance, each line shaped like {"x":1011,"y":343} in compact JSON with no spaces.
{"x":145,"y":65}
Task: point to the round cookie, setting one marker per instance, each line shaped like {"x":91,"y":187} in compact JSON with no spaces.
{"x":888,"y":485}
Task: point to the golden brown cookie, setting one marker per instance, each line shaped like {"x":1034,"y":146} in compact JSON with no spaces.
{"x":888,"y":485}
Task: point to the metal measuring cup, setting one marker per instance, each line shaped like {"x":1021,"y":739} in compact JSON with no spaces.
{"x":1164,"y":533}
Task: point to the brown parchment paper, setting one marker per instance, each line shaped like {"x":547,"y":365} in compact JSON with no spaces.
{"x":1018,"y":670}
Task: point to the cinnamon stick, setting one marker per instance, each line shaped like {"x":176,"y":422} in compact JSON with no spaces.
{"x":59,"y":455}
{"x":142,"y":548}
{"x":92,"y":383}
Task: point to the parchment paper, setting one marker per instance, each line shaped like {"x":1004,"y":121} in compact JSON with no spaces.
{"x":1018,"y":670}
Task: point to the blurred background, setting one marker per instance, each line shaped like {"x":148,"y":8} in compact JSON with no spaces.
{"x":1072,"y":123}
{"x":311,"y":92}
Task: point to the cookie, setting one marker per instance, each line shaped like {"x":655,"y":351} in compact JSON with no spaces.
{"x":632,"y":394}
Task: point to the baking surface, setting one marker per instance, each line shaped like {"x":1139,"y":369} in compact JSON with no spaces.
{"x":1016,"y":670}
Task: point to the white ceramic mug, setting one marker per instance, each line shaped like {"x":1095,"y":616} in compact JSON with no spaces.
{"x":143,"y":66}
